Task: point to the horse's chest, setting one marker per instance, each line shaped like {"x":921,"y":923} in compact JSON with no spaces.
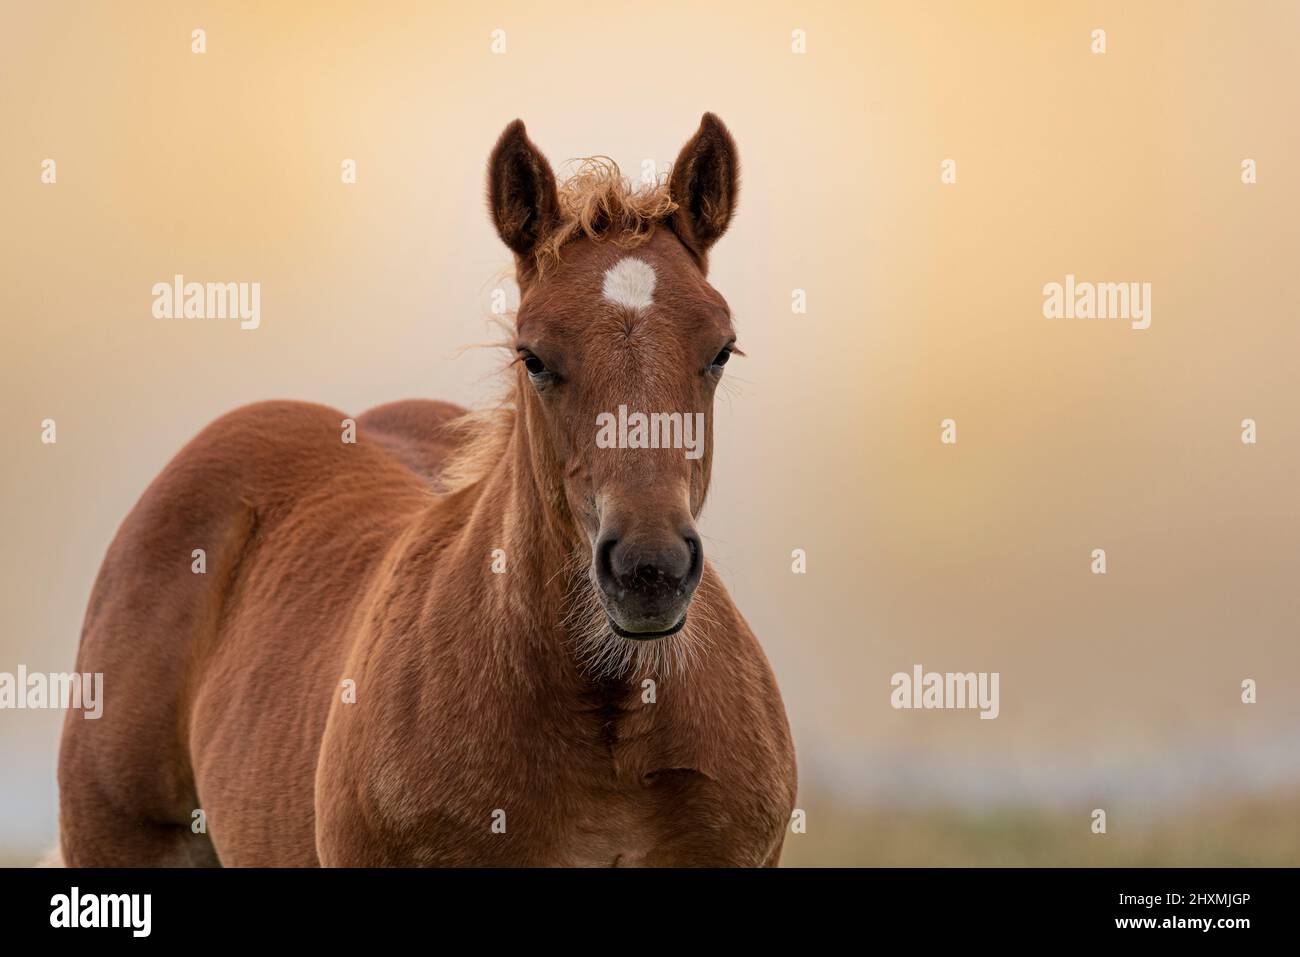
{"x":616,"y":788}
{"x":616,"y":799}
{"x":609,"y":810}
{"x":610,"y":830}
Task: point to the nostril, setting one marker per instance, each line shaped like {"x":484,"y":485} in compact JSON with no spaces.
{"x":605,"y":559}
{"x":696,"y":566}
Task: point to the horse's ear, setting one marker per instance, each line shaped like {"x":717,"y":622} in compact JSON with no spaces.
{"x":704,"y":184}
{"x":521,"y":191}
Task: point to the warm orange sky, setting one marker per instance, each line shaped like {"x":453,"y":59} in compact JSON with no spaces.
{"x":924,"y":303}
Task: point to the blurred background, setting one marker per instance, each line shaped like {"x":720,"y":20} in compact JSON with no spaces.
{"x":924,"y":302}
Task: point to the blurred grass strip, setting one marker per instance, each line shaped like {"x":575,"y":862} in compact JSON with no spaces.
{"x":1231,"y":833}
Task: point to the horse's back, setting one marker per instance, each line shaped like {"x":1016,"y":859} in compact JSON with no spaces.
{"x":219,"y":620}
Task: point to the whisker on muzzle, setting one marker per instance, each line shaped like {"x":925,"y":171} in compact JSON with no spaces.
{"x":603,"y":654}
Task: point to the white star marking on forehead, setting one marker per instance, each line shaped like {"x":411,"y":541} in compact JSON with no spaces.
{"x":630,"y":282}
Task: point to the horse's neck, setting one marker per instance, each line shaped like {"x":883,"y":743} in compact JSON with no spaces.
{"x":516,"y":557}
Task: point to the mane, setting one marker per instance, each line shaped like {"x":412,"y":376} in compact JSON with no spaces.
{"x":599,"y":203}
{"x":484,"y":435}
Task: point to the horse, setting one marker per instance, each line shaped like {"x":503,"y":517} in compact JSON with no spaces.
{"x":431,"y":637}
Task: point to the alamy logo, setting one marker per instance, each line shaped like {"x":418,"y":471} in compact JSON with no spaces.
{"x":57,"y":691}
{"x":179,"y":299}
{"x":1099,"y":300}
{"x":75,"y":909}
{"x":931,"y":689}
{"x":655,"y":430}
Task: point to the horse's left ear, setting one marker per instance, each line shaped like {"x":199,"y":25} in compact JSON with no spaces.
{"x":704,"y":184}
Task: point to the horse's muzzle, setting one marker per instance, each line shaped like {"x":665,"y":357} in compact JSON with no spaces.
{"x":647,"y":585}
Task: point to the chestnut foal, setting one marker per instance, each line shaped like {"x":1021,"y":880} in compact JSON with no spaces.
{"x":456,"y":640}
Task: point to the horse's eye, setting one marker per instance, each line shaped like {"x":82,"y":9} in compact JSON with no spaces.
{"x":721,"y":359}
{"x":535,"y":366}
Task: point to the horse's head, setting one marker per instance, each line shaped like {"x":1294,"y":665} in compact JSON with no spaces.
{"x":621,"y":342}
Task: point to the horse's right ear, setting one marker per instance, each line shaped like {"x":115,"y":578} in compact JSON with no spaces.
{"x":521,"y":191}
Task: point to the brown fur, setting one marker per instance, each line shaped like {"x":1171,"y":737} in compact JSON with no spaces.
{"x":371,"y":562}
